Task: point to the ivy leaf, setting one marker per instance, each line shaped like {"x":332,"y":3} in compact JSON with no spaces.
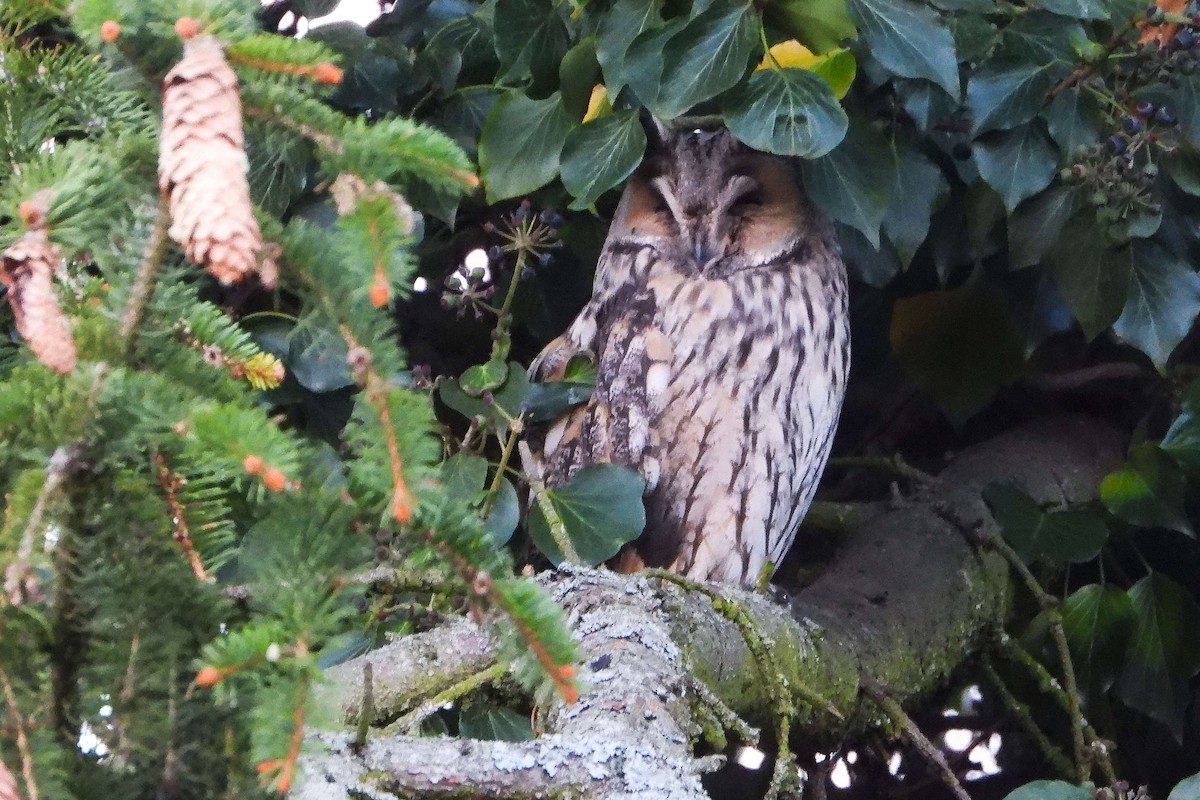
{"x":1017,"y":163}
{"x":549,"y":399}
{"x":642,"y":69}
{"x":530,"y":40}
{"x":1092,"y":277}
{"x":577,"y":75}
{"x":620,"y":26}
{"x":1035,"y":225}
{"x":1182,"y":441}
{"x":601,"y":509}
{"x":854,"y":182}
{"x":521,"y":144}
{"x":463,"y":476}
{"x":509,"y":398}
{"x":959,"y":346}
{"x":1042,"y":38}
{"x":1184,"y":170}
{"x":908,"y":39}
{"x":1147,"y":490}
{"x":1070,"y":536}
{"x":1075,"y":120}
{"x":495,"y":724}
{"x":1049,"y":790}
{"x":1005,"y":94}
{"x":1164,"y":299}
{"x":600,"y":154}
{"x":1163,"y":652}
{"x":1097,"y":620}
{"x":709,"y":55}
{"x":788,"y":111}
{"x":1186,"y":789}
{"x":920,"y":188}
{"x":1077,"y":9}
{"x":821,"y":25}
{"x":484,"y":377}
{"x":317,"y":359}
{"x":501,"y":521}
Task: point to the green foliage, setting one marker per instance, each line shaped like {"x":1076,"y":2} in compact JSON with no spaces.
{"x":599,"y":510}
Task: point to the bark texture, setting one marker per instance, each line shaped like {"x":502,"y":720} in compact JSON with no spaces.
{"x":908,"y":597}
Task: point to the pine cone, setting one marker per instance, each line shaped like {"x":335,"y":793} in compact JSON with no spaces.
{"x":28,"y":272}
{"x":202,"y":164}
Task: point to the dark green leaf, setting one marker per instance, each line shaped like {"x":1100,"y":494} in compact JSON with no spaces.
{"x":822,"y":26}
{"x":1017,"y":163}
{"x":1075,"y":120}
{"x":1182,"y":441}
{"x":642,"y":68}
{"x":1092,"y":277}
{"x":600,"y":154}
{"x":1042,"y":38}
{"x":874,"y":266}
{"x":463,"y":475}
{"x":1035,"y":225}
{"x":1077,"y":9}
{"x":619,"y":27}
{"x":492,"y":723}
{"x":1005,"y":94}
{"x":577,"y":75}
{"x":925,"y":103}
{"x":959,"y":346}
{"x":484,"y":377}
{"x":505,"y":513}
{"x":317,"y":359}
{"x":854,"y":182}
{"x":1071,"y":536}
{"x":1163,"y":652}
{"x":1186,"y":789}
{"x":709,"y":55}
{"x":548,"y":400}
{"x":1049,"y":790}
{"x":1148,"y":491}
{"x":974,"y":6}
{"x":463,"y":115}
{"x":908,"y":39}
{"x":509,"y":398}
{"x":920,"y":188}
{"x":601,"y":508}
{"x":1164,"y":300}
{"x":1184,"y":170}
{"x":530,"y":40}
{"x":521,"y":142}
{"x":787,"y":111}
{"x":974,"y":36}
{"x":581,"y":369}
{"x":1097,"y":620}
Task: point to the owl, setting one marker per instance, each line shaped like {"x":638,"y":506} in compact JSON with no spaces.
{"x":718,"y":323}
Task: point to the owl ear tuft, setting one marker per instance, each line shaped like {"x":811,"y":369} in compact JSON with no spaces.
{"x":658,"y":135}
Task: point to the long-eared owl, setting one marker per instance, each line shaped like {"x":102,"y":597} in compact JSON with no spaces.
{"x":718,"y":322}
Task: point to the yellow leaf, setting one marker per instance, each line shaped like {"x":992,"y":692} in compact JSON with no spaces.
{"x":598,"y":104}
{"x":837,"y":67}
{"x":789,"y":54}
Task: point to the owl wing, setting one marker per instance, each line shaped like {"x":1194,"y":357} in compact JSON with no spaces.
{"x":617,"y":424}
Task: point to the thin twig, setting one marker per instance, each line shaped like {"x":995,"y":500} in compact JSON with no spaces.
{"x":913,"y":733}
{"x":1021,"y":712}
{"x":1085,"y":71}
{"x":409,"y":722}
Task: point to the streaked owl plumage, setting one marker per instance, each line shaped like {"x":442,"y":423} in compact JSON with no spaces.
{"x":718,"y":322}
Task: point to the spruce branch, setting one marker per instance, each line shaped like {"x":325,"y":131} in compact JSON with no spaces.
{"x":146,"y":278}
{"x":171,"y":484}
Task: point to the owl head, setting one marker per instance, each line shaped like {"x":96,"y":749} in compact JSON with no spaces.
{"x":709,"y":203}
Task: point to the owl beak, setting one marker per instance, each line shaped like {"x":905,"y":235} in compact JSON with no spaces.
{"x":702,"y":251}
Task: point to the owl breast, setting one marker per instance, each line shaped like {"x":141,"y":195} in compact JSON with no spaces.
{"x":720,"y":380}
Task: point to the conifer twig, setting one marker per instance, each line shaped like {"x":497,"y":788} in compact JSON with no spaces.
{"x":170,"y":484}
{"x":147,"y":276}
{"x":10,"y":698}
